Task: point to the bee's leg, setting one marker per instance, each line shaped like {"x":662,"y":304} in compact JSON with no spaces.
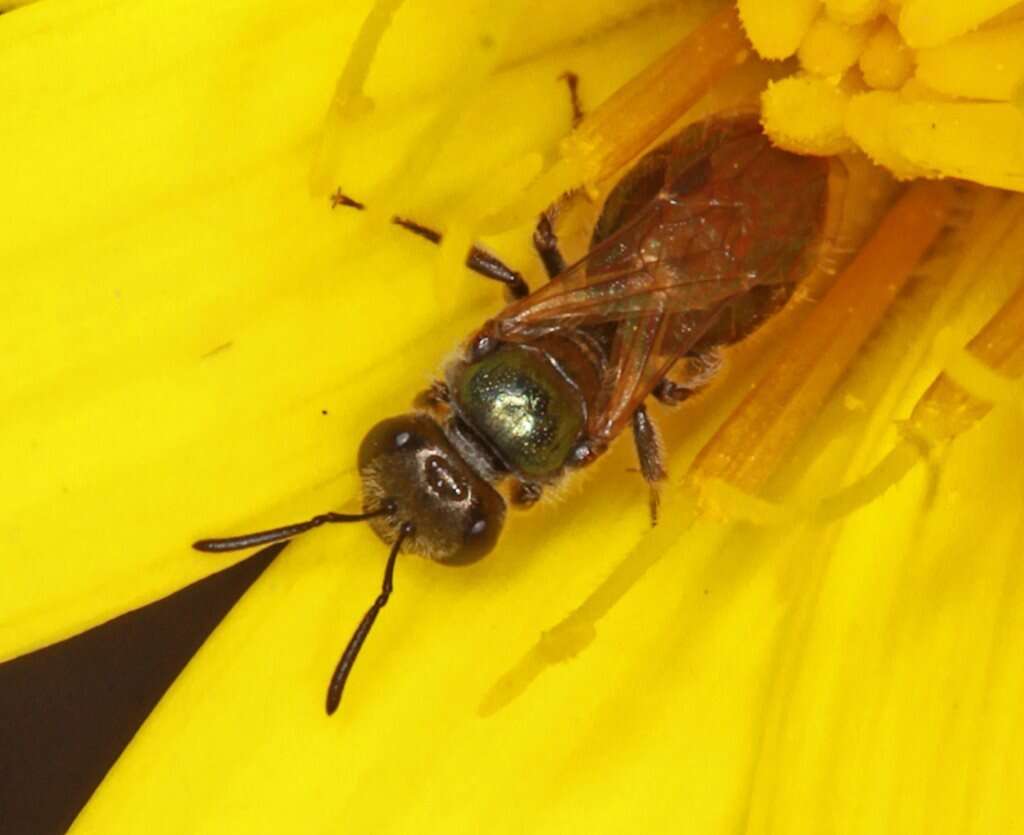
{"x":435,"y":395}
{"x":545,"y":241}
{"x":525,"y":493}
{"x":435,"y":399}
{"x":648,"y":450}
{"x":573,"y":81}
{"x":670,"y":393}
{"x":700,"y":370}
{"x":479,"y":260}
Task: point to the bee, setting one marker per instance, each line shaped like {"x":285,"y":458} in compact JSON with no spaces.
{"x":701,"y":240}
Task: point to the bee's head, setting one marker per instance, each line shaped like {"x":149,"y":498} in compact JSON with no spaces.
{"x":455,"y":515}
{"x":419,"y":494}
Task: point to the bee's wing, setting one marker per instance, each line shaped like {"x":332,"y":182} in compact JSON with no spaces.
{"x":627,"y":277}
{"x":705,"y":236}
{"x":664,"y":291}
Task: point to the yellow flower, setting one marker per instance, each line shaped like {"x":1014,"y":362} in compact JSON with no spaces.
{"x":920,"y":85}
{"x":829,"y":639}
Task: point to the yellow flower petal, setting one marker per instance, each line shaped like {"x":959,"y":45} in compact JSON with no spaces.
{"x":138,"y":243}
{"x":796,"y":676}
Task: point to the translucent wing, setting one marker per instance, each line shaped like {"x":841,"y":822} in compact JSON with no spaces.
{"x":696,"y":245}
{"x":652,"y":266}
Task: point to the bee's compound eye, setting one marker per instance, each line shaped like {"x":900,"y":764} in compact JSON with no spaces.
{"x":395,"y":436}
{"x":407,"y":441}
{"x":482,"y":525}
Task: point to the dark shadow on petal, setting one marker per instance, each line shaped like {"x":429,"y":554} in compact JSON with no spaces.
{"x":67,"y":711}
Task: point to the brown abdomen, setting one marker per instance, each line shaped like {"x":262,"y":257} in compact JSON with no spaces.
{"x":719,"y":204}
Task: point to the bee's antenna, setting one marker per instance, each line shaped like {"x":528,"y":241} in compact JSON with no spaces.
{"x":235,"y":543}
{"x":355,"y":643}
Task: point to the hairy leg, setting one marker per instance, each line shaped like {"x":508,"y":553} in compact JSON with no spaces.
{"x":479,"y":260}
{"x":648,"y":450}
{"x":698,"y":371}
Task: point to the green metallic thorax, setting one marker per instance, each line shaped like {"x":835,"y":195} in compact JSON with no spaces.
{"x":523,"y":407}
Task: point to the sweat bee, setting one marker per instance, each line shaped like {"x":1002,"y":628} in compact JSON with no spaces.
{"x":700,"y":242}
